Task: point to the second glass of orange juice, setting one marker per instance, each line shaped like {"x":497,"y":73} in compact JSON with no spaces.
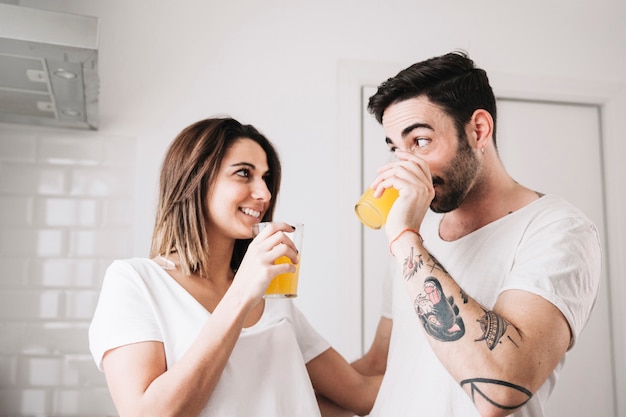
{"x":286,"y":285}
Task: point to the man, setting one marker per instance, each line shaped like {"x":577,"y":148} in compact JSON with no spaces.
{"x":500,"y":278}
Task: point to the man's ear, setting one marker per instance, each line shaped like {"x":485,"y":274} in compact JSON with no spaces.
{"x":482,"y":128}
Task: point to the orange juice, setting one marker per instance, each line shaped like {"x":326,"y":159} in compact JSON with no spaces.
{"x":284,"y":285}
{"x":373,"y":211}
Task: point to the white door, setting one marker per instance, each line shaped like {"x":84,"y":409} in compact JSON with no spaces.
{"x":553,"y":148}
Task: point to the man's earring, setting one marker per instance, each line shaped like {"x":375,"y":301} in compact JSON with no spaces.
{"x":483,"y":150}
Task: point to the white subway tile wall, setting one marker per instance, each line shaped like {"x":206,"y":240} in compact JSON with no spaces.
{"x":66,"y":211}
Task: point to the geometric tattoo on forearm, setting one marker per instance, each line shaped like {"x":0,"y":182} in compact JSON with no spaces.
{"x":493,"y":327}
{"x":439,"y":315}
{"x":475,"y":384}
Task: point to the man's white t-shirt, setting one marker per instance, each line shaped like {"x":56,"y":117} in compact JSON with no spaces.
{"x":548,"y":248}
{"x":265,"y":374}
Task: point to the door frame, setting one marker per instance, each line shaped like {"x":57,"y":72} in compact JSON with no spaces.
{"x":609,"y":97}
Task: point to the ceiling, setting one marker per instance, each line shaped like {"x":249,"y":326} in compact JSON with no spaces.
{"x":48,"y":68}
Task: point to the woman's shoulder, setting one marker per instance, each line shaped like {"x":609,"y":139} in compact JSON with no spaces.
{"x":143,"y":269}
{"x":135,"y":262}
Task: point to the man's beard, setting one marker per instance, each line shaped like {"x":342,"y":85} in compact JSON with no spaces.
{"x":453,"y":187}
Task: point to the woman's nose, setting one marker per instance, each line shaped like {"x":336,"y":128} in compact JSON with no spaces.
{"x":261,"y":191}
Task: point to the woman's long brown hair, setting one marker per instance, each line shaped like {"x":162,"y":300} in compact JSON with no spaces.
{"x":187,"y":175}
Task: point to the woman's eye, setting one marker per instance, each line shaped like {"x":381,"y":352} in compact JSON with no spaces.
{"x":393,"y":148}
{"x":243,"y":172}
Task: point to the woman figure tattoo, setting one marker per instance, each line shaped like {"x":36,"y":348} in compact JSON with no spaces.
{"x":439,"y":315}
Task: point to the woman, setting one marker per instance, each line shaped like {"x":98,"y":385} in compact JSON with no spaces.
{"x":187,"y":332}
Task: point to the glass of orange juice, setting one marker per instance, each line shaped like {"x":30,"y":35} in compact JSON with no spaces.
{"x":373,"y":211}
{"x":285,"y":285}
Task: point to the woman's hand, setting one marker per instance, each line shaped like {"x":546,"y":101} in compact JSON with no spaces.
{"x":257,"y":268}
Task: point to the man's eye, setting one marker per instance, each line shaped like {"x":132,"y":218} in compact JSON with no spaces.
{"x":393,"y":148}
{"x":421,"y":142}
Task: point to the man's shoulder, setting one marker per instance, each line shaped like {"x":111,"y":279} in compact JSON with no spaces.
{"x":554,"y":207}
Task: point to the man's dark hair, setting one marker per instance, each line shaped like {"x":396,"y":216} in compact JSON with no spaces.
{"x":451,"y":81}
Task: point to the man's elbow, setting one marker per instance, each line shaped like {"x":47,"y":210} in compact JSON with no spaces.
{"x":494,"y":398}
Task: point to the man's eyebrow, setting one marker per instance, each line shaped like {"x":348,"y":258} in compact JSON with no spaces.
{"x":407,"y":130}
{"x":410,"y":128}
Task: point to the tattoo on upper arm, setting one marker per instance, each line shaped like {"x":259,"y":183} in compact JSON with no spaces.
{"x":439,"y":315}
{"x":493,"y":327}
{"x":475,"y":384}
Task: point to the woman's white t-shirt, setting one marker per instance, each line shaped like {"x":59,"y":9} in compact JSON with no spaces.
{"x":265,"y":374}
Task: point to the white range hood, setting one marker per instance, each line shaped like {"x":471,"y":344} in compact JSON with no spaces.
{"x":48,"y":68}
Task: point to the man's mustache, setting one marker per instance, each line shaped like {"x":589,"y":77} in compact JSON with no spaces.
{"x":438,"y":181}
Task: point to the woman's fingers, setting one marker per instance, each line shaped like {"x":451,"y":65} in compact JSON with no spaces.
{"x":277,"y":243}
{"x":259,"y":265}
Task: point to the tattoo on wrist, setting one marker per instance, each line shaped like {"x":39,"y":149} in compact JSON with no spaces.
{"x":411,"y":264}
{"x":475,"y":388}
{"x":438,"y":313}
{"x":414,"y":263}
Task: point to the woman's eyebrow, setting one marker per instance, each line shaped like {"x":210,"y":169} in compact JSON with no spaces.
{"x":248,"y":165}
{"x":244,"y":164}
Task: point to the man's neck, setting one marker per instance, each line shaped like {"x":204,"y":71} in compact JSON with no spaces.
{"x":485,"y":204}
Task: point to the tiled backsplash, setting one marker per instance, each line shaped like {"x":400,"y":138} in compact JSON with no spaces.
{"x":66,"y":211}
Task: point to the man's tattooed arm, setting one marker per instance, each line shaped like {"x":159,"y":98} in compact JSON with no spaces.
{"x":439,"y":314}
{"x":442,"y":320}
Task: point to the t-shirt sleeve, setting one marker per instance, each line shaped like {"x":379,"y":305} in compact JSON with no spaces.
{"x":124,"y":313}
{"x":311,"y":343}
{"x":561,"y":262}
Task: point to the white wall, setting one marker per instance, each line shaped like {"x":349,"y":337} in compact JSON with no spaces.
{"x":276,"y":64}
